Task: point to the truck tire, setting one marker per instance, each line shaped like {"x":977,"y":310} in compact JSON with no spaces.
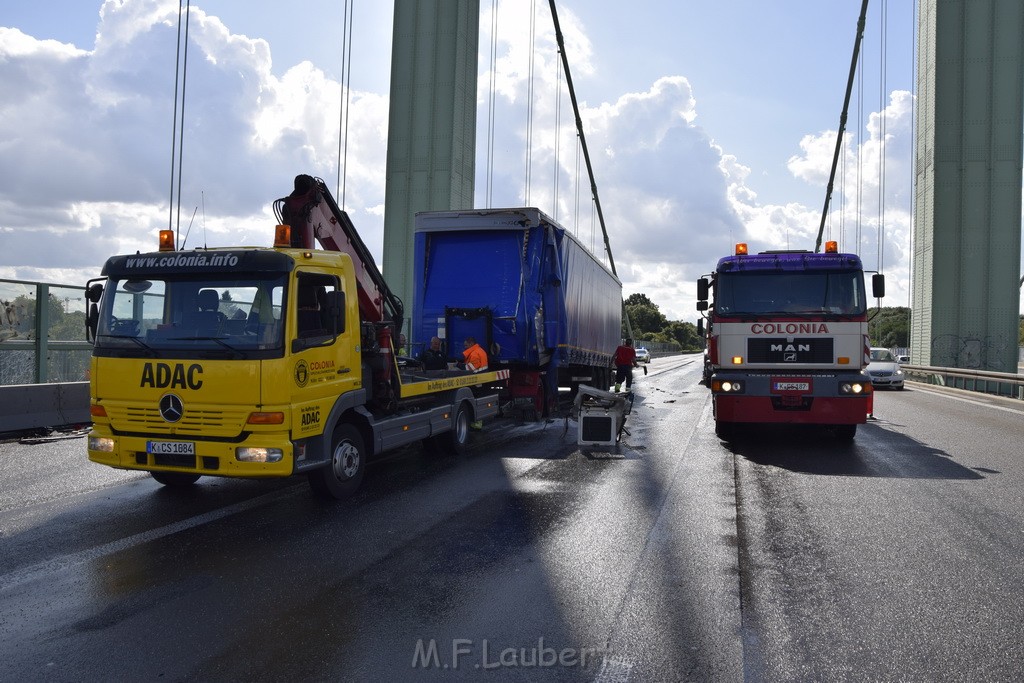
{"x":454,"y":441}
{"x":725,"y":430}
{"x":541,"y":403}
{"x":343,"y":474}
{"x":845,"y":432}
{"x":457,"y":439}
{"x":175,"y":479}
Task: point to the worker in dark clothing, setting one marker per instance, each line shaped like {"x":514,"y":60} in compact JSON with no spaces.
{"x":432,"y":356}
{"x":625,"y":361}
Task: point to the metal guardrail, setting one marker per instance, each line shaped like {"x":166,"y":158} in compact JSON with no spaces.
{"x":42,"y":333}
{"x":998,"y":383}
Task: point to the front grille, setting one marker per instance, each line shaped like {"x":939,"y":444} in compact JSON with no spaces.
{"x":194,"y":421}
{"x":796,"y":350}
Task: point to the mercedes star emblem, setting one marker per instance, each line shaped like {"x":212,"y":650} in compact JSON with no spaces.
{"x":171,"y":407}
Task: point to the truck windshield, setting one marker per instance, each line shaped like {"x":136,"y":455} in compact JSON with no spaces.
{"x":192,"y":317}
{"x":805,"y":293}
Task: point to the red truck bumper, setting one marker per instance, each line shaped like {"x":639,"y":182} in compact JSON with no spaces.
{"x":814,"y":410}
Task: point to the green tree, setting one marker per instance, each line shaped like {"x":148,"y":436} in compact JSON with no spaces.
{"x":638,"y":299}
{"x":644,"y":317}
{"x":889,"y":326}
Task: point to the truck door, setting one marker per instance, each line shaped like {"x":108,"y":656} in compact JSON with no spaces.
{"x":325,"y":364}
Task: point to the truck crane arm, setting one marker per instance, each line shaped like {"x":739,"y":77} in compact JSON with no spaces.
{"x":312,"y":212}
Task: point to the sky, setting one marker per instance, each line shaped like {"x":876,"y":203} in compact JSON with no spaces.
{"x":708,"y":123}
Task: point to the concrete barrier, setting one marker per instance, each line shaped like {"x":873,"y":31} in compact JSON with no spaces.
{"x":30,"y":406}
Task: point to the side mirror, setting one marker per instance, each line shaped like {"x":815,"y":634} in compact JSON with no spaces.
{"x":703,"y":288}
{"x":700,"y":327}
{"x":702,"y":305}
{"x":93,"y":292}
{"x":878,"y":285}
{"x":91,"y":321}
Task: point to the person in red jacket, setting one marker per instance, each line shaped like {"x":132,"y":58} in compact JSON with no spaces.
{"x":625,"y":361}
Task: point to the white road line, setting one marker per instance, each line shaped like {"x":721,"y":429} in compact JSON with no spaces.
{"x":614,"y":670}
{"x":38,"y":571}
{"x":985,"y":404}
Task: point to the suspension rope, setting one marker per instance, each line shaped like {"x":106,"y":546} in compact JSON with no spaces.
{"x":345,"y":103}
{"x":181,"y":128}
{"x":860,"y":154}
{"x":174,"y":126}
{"x":842,"y":196}
{"x":913,"y":155}
{"x":558,"y":128}
{"x":181,"y":59}
{"x":842,"y":120}
{"x":881,"y":136}
{"x":576,"y":211}
{"x":490,"y":105}
{"x":583,"y":142}
{"x":529,"y":99}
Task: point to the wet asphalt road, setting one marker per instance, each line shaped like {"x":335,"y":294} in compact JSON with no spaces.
{"x":781,"y":556}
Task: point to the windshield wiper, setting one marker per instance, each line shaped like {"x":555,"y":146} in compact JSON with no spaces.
{"x":220,"y":340}
{"x":138,"y":341}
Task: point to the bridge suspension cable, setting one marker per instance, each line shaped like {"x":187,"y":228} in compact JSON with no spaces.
{"x":881,"y":137}
{"x":842,"y":120}
{"x":489,"y":194}
{"x":178,"y":129}
{"x":529,"y":100}
{"x":586,"y":153}
{"x":345,"y":106}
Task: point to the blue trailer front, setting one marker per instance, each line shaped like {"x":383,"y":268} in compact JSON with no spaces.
{"x":525,"y":288}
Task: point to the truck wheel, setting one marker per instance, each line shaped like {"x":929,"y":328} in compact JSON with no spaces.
{"x":341,"y":477}
{"x":725,"y":430}
{"x":175,"y":479}
{"x":846,"y":432}
{"x":541,"y":405}
{"x":457,"y":440}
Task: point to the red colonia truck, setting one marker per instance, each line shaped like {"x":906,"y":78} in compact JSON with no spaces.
{"x":787,"y":339}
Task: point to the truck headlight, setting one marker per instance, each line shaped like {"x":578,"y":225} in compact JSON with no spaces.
{"x":246,"y":454}
{"x":854,"y":388}
{"x":101,"y":443}
{"x":727,"y":386}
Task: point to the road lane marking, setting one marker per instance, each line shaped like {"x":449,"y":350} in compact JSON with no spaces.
{"x":44,"y":569}
{"x":983,"y":404}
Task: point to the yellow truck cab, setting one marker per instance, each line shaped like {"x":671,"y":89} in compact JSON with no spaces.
{"x":259,"y":362}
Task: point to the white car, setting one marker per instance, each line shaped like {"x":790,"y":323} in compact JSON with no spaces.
{"x":642,"y":355}
{"x":884,"y":370}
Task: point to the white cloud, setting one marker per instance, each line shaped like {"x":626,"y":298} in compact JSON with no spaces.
{"x":91,"y":177}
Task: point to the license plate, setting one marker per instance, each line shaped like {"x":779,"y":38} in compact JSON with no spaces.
{"x":792,"y":386}
{"x":171,"y":447}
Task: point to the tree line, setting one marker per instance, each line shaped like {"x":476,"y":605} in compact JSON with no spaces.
{"x":888,"y":326}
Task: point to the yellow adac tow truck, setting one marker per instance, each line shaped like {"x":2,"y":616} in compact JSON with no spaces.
{"x":266,"y":362}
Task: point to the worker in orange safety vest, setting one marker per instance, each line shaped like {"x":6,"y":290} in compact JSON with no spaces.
{"x":474,"y":356}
